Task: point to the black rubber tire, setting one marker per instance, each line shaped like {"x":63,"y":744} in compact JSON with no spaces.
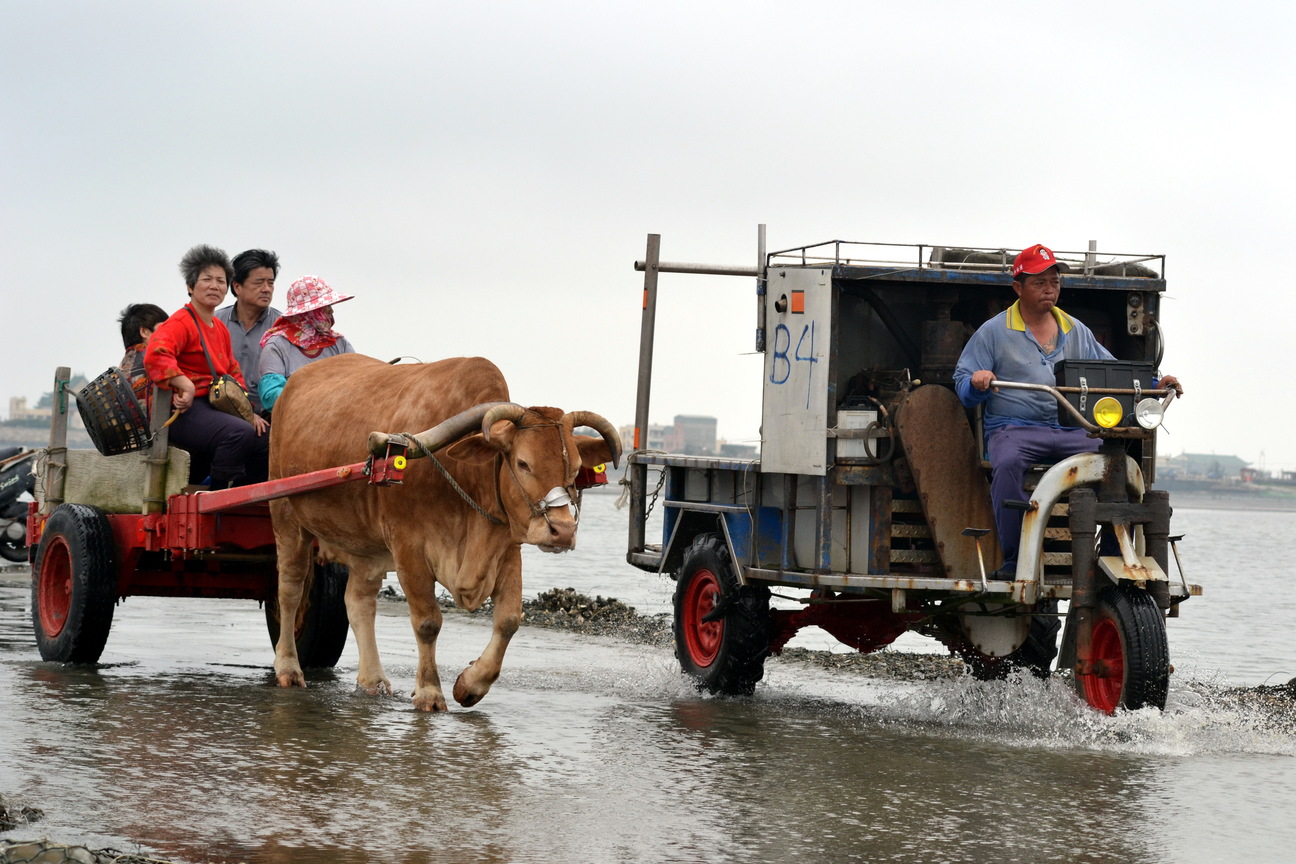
{"x":13,"y":550}
{"x":1036,"y":655}
{"x":726,"y":656}
{"x":1128,"y":620}
{"x":74,"y":585}
{"x":323,"y":633}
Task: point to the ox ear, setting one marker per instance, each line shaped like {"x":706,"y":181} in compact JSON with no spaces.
{"x":593,"y":451}
{"x":474,"y":450}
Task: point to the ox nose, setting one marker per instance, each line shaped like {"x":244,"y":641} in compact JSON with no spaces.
{"x":562,"y":532}
{"x":557,"y":533}
{"x":553,"y":526}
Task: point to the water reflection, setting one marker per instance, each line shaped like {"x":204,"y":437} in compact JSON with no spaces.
{"x":858,"y":791}
{"x":222,"y":764}
{"x":592,"y":750}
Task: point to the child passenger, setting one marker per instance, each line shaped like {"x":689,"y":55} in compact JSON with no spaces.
{"x":138,"y":321}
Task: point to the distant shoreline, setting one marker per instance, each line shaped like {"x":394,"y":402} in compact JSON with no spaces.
{"x":35,"y":438}
{"x":1254,"y":497}
{"x":1226,"y":501}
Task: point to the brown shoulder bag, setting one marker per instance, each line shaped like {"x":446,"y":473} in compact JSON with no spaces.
{"x":225,"y":393}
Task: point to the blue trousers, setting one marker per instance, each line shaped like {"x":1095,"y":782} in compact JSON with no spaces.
{"x":220,"y":444}
{"x":1012,"y":450}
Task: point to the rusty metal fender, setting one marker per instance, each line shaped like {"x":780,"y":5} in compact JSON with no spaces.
{"x":1083,"y":469}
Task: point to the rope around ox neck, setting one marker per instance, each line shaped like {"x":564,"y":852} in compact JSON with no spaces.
{"x":415,"y":446}
{"x":538,"y":508}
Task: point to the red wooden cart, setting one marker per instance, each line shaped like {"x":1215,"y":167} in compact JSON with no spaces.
{"x":105,"y":528}
{"x":87,"y":556}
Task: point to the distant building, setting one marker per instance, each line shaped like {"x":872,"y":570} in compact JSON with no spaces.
{"x":694,"y":435}
{"x":656,"y":438}
{"x":691,"y":435}
{"x":18,"y":410}
{"x":738,"y":451}
{"x":1201,"y":466}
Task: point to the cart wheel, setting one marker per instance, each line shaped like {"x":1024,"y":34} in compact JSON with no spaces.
{"x":1131,"y":657}
{"x":74,"y":585}
{"x":1036,"y":654}
{"x":324,"y":630}
{"x":13,"y":550}
{"x":726,"y":655}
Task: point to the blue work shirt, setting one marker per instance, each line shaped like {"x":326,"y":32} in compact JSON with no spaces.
{"x":246,"y":345}
{"x":1006,"y":347}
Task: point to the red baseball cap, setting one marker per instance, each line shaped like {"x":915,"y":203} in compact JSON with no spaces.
{"x":1036,"y":259}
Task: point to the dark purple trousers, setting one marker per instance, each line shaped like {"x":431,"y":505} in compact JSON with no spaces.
{"x":220,"y":444}
{"x":1012,"y":450}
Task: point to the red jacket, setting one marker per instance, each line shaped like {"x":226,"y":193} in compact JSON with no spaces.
{"x":174,"y":349}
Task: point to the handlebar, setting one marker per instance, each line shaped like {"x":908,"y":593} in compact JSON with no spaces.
{"x":1166,"y":394}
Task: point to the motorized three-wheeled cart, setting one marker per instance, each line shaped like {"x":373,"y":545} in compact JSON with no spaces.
{"x":871,"y":491}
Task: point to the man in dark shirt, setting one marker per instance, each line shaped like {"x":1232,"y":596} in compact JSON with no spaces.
{"x":251,"y":314}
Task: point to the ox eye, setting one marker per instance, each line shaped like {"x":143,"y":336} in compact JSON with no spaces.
{"x":523,"y":466}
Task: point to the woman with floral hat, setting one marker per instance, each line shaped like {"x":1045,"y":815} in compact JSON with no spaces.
{"x":302,"y":335}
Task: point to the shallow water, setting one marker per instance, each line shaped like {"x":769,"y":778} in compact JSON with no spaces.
{"x":1238,"y":633}
{"x":597,"y":750}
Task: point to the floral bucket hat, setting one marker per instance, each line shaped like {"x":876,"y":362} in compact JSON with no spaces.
{"x":311,"y":292}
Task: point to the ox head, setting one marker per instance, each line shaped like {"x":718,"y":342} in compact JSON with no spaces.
{"x":539,"y":456}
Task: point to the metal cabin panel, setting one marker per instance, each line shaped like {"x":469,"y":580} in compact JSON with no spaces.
{"x":794,"y":412}
{"x":805,"y":554}
{"x":860,"y":539}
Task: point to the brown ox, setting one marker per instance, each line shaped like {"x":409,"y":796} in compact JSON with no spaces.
{"x":514,"y":463}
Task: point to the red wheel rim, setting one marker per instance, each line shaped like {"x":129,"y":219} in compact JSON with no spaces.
{"x":1104,"y":684}
{"x":702,"y":638}
{"x":55,"y":589}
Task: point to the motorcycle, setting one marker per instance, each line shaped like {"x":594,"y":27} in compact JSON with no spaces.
{"x":16,"y":478}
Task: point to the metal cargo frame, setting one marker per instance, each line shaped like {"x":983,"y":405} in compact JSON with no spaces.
{"x":747,"y":500}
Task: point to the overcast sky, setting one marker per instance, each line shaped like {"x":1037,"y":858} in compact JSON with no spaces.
{"x":481,"y":176}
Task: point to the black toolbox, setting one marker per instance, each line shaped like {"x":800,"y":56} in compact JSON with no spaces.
{"x":1091,"y":374}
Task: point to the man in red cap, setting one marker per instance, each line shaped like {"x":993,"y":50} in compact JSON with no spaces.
{"x":1023,"y":343}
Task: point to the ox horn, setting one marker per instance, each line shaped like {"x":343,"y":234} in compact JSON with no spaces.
{"x":444,"y":433}
{"x":601,"y":426}
{"x":501,"y":411}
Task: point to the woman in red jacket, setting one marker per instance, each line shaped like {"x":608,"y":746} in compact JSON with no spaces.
{"x":228,"y":448}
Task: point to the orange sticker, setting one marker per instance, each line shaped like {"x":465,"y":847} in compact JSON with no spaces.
{"x":798,"y":302}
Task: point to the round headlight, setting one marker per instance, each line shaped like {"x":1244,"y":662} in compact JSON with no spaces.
{"x":1148,"y":413}
{"x":1107,"y":412}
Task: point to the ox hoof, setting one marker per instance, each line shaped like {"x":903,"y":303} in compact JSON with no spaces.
{"x":381,"y":687}
{"x":431,"y":702}
{"x":290,"y":678}
{"x":465,"y":697}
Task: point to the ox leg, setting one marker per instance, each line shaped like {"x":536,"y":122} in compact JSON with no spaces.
{"x":362,"y":590}
{"x":293,"y":548}
{"x":474,"y":682}
{"x":425,"y":618}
